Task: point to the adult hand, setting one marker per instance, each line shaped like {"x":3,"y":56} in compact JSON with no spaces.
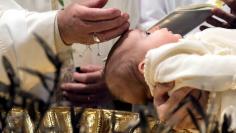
{"x":229,"y":18}
{"x":165,"y":105}
{"x":89,"y":88}
{"x":80,"y":22}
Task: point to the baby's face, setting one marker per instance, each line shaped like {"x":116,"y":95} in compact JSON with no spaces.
{"x":149,"y":41}
{"x":160,"y":37}
{"x":122,"y":74}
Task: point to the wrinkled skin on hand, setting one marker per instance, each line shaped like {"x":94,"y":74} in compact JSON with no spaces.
{"x":165,"y":105}
{"x":88,"y":89}
{"x":229,"y":18}
{"x":79,"y":21}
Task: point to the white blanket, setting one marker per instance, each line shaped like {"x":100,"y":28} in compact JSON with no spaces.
{"x":206,"y":60}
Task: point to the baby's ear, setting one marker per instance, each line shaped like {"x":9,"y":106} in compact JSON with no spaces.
{"x":141,"y":67}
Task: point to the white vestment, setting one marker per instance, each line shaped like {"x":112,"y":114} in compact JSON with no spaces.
{"x":18,"y":44}
{"x":206,"y":61}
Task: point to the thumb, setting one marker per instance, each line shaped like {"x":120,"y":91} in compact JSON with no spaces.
{"x":93,"y":3}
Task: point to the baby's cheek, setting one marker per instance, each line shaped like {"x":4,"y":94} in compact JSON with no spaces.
{"x":164,"y":41}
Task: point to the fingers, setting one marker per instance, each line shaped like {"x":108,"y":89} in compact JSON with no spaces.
{"x":88,"y":74}
{"x":90,"y":89}
{"x":183,"y":115}
{"x":217,"y":23}
{"x":108,"y":24}
{"x":95,"y":96}
{"x":110,"y":34}
{"x":78,"y":24}
{"x":229,"y":19}
{"x":161,"y":92}
{"x":224,"y":15}
{"x":80,"y":88}
{"x":165,"y":109}
{"x":90,"y":68}
{"x":204,"y":98}
{"x":186,"y":123}
{"x":231,"y":4}
{"x":181,"y":118}
{"x":91,"y":77}
{"x":84,"y":99}
{"x":161,"y":100}
{"x":97,"y":14}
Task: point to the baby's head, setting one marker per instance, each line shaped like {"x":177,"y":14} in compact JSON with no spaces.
{"x":125,"y":64}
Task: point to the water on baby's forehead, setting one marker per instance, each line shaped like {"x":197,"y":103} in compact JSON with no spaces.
{"x":218,"y":3}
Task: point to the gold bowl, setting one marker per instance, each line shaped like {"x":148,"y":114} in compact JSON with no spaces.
{"x":58,"y":120}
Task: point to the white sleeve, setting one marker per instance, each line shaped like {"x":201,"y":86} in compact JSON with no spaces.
{"x":18,"y":43}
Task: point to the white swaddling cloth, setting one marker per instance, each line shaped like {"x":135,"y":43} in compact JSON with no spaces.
{"x":206,"y":61}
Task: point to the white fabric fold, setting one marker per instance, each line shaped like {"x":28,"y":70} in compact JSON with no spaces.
{"x":207,"y":55}
{"x":206,"y":61}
